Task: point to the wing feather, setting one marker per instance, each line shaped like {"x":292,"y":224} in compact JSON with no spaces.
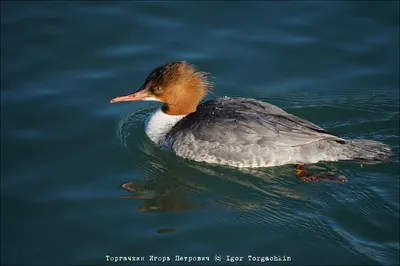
{"x":242,"y":121}
{"x":245,"y":132}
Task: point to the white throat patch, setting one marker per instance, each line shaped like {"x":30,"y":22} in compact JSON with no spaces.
{"x":158,"y":124}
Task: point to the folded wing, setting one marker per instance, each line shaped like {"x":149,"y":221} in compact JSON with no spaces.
{"x":241,"y":121}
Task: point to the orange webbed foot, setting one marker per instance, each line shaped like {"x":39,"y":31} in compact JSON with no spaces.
{"x":309,"y":177}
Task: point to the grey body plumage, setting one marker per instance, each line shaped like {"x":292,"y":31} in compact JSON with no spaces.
{"x":245,"y":132}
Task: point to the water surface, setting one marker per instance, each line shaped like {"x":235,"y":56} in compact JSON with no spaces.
{"x":80,"y":180}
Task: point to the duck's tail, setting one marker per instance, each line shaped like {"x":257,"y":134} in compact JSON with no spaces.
{"x":367,"y":151}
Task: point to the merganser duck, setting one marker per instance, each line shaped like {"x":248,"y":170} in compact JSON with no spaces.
{"x":239,"y":132}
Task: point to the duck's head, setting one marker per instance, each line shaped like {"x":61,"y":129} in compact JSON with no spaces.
{"x":177,"y":84}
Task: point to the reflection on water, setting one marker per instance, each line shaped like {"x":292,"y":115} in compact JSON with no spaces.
{"x":158,"y":197}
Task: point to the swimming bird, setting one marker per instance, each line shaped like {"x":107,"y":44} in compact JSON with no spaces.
{"x":238,"y":132}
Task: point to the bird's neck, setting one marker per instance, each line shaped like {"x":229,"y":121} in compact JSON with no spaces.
{"x":159,"y":123}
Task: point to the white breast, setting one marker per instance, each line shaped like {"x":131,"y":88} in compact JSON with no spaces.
{"x":158,"y":124}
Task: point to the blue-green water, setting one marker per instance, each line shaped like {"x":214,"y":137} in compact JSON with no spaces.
{"x":80,"y":180}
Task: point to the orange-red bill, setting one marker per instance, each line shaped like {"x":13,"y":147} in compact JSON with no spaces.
{"x":137,"y":96}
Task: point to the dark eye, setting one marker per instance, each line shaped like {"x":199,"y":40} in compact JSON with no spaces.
{"x":157,"y":89}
